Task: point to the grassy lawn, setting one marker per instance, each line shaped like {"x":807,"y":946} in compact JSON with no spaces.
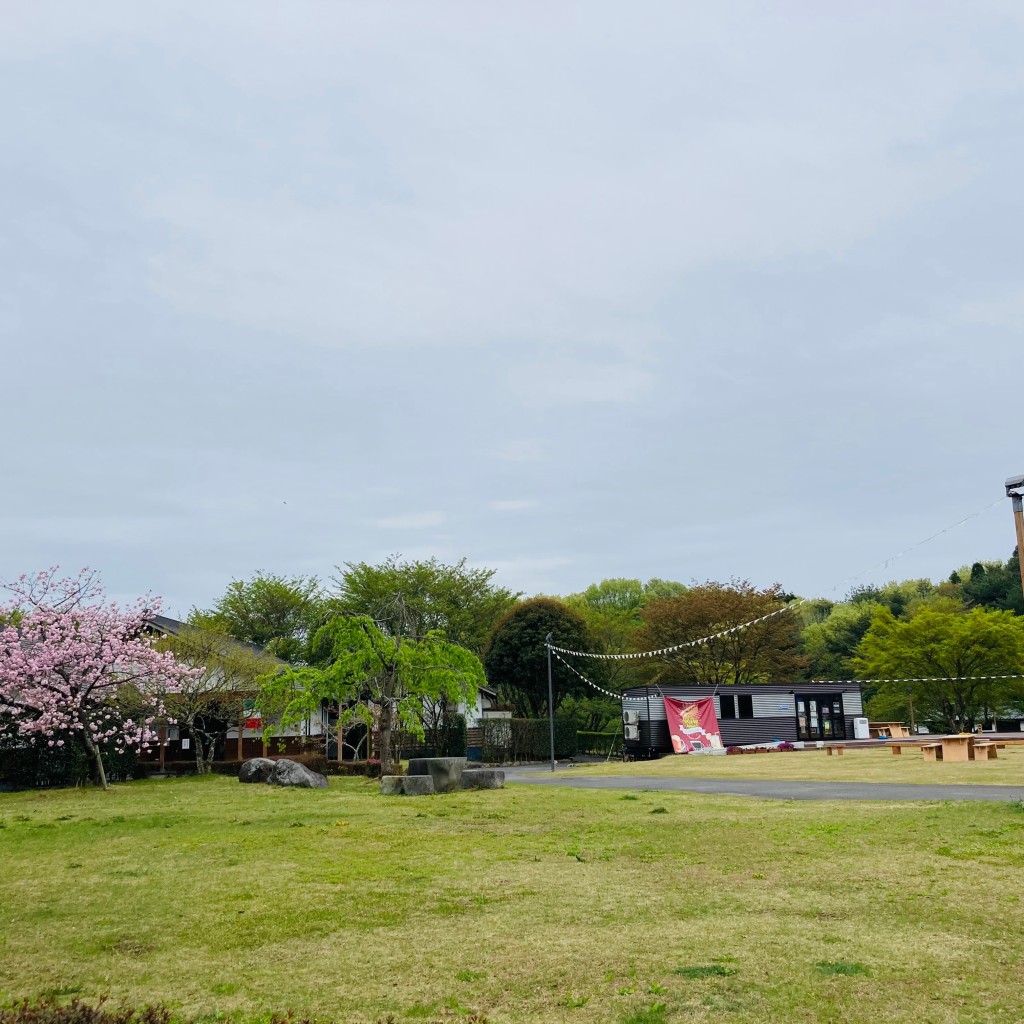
{"x":871,"y":764}
{"x":529,"y":904}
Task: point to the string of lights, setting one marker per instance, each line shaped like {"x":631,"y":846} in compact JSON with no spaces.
{"x":672,"y":649}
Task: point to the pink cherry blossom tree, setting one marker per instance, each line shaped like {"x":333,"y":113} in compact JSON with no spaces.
{"x":75,"y":665}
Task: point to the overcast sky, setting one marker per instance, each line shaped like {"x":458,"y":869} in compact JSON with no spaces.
{"x":572,"y":290}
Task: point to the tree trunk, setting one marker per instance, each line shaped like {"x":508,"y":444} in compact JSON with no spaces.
{"x":94,"y":753}
{"x":205,"y":745}
{"x":386,"y":728}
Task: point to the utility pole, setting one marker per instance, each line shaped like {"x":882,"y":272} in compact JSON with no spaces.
{"x":551,"y":704}
{"x":1015,"y":490}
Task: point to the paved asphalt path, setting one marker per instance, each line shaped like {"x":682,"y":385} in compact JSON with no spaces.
{"x":768,"y":789}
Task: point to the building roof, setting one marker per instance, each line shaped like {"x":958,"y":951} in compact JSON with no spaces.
{"x":175,"y":627}
{"x":708,"y":689}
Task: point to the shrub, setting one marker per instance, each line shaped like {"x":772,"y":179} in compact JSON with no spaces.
{"x":598,"y":742}
{"x":446,"y":739}
{"x":35,"y":765}
{"x":315,"y":762}
{"x":526,"y":739}
{"x":786,"y":746}
{"x":368,"y":769}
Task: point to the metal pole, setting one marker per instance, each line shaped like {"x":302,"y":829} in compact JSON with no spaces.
{"x":1018,"y":516}
{"x":551,"y":703}
{"x":650,"y":724}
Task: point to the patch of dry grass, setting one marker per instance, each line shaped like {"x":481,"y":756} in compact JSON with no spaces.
{"x":870,"y":764}
{"x":528,"y":904}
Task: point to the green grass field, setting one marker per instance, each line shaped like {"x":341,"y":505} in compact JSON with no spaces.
{"x":528,"y":904}
{"x":865,"y":764}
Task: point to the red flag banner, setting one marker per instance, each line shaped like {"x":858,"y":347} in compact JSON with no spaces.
{"x":692,"y":724}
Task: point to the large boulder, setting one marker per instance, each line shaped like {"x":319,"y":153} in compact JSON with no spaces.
{"x":256,"y":769}
{"x":445,"y":771}
{"x":483,"y":778}
{"x":290,"y":773}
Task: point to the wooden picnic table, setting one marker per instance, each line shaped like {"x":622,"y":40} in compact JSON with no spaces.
{"x":964,"y":747}
{"x":888,"y":730}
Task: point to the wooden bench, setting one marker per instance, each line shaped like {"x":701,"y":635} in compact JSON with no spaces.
{"x":984,"y":750}
{"x":931,"y":751}
{"x":838,"y":748}
{"x":896,"y":750}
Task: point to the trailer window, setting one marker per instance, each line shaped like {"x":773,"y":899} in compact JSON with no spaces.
{"x":746,"y":703}
{"x":727,"y":705}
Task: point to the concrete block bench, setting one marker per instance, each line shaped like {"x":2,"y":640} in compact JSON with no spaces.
{"x":406,"y":785}
{"x":483,"y":778}
{"x":445,"y":771}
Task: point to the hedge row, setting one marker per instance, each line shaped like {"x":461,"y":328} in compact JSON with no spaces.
{"x":38,"y":766}
{"x":526,"y":739}
{"x":315,"y":762}
{"x":448,"y":740}
{"x":599,"y":742}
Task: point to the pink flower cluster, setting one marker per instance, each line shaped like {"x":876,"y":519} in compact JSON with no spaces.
{"x":67,"y":656}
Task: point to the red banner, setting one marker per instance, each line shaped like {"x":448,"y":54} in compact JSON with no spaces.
{"x":692,"y":724}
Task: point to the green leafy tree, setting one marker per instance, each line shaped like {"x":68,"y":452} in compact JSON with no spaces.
{"x":612,"y":610}
{"x":413,"y":598}
{"x":592,"y":714}
{"x":278,"y":613}
{"x":955,"y":646}
{"x":377,"y":678}
{"x":210,"y":699}
{"x":515,"y":657}
{"x":896,"y":596}
{"x":830,"y":645}
{"x":761,"y":653}
{"x":992,"y":585}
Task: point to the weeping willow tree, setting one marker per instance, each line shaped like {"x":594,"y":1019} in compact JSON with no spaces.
{"x":376,"y":677}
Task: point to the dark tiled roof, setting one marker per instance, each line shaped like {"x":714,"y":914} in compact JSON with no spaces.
{"x":175,"y":627}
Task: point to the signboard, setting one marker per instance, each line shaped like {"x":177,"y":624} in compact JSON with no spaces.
{"x":253,"y":716}
{"x":692,"y":724}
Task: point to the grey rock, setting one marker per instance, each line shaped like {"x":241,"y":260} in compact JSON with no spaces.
{"x":256,"y":769}
{"x":483,"y":778}
{"x":290,"y":773}
{"x":445,"y":771}
{"x":391,"y":785}
{"x":418,"y":785}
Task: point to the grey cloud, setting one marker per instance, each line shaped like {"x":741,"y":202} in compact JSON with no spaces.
{"x":573,"y":290}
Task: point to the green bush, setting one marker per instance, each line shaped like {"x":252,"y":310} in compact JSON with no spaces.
{"x":34,"y":764}
{"x":526,"y":739}
{"x":599,"y":742}
{"x":315,"y":762}
{"x":448,"y":739}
